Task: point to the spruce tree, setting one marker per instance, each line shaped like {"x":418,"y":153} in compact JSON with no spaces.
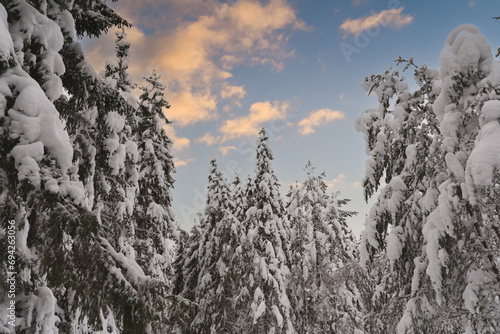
{"x":155,"y":225}
{"x":215,"y":290}
{"x":263,"y":256}
{"x":323,"y":257}
{"x":437,"y":266}
{"x":76,"y":276}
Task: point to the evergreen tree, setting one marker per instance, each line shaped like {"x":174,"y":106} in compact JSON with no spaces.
{"x":76,"y":276}
{"x":263,"y":256}
{"x":116,"y":67}
{"x":437,"y":265}
{"x":323,"y":251}
{"x":155,"y":225}
{"x":400,"y":146}
{"x":215,"y":290}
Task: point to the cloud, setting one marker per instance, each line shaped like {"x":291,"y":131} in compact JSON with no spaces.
{"x":189,"y":108}
{"x":248,"y":125}
{"x":386,"y":18}
{"x":229,"y":91}
{"x":195,"y":44}
{"x":208,"y":139}
{"x":359,"y":2}
{"x":322,"y":63}
{"x":336,"y":181}
{"x":471,"y":3}
{"x":339,"y":182}
{"x":318,"y":118}
{"x":225,"y":149}
{"x":179,"y":144}
{"x":180,"y":163}
{"x":342,"y":96}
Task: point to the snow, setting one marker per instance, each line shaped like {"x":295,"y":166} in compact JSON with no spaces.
{"x":484,"y":159}
{"x":465,"y":50}
{"x":6,"y":44}
{"x":277,"y":314}
{"x":394,"y":246}
{"x":34,"y":118}
{"x":133,"y":270}
{"x":45,"y":309}
{"x":432,"y":236}
{"x":475,"y":280}
{"x":26,"y":158}
{"x":115,"y":121}
{"x":398,"y":188}
{"x":455,"y":166}
{"x":34,"y":26}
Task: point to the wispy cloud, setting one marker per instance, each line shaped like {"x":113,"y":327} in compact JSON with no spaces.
{"x":229,"y":91}
{"x":359,"y":2}
{"x":249,"y":124}
{"x":208,"y":139}
{"x":225,"y":149}
{"x":322,"y":64}
{"x":340,"y":182}
{"x":386,"y":18}
{"x":182,"y":162}
{"x":336,"y":181}
{"x":318,"y":118}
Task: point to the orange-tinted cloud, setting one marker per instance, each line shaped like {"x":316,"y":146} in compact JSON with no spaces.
{"x":182,"y":162}
{"x":318,"y":118}
{"x":259,"y":114}
{"x":179,"y":144}
{"x":225,"y":149}
{"x":229,"y":91}
{"x":188,"y":108}
{"x":386,"y":18}
{"x":208,"y":139}
{"x":196,"y":48}
{"x":340,"y":183}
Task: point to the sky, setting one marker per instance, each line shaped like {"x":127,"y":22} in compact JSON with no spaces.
{"x":292,"y":66}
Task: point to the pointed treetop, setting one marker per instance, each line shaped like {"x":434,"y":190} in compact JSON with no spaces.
{"x":152,"y":98}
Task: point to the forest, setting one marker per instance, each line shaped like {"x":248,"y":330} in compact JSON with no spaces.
{"x":88,"y":239}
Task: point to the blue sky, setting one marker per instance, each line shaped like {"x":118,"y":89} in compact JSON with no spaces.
{"x":295,"y":67}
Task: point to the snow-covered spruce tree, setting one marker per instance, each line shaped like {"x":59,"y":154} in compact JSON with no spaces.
{"x":67,"y":262}
{"x":39,"y":190}
{"x":441,"y":264}
{"x":155,"y":229}
{"x":399,"y":143}
{"x":262,"y":257}
{"x":190,"y":265}
{"x":215,"y":288}
{"x":187,"y":269}
{"x":323,"y":256}
{"x":116,"y":67}
{"x":461,"y":245}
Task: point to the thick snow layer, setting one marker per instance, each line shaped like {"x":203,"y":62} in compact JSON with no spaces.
{"x":465,"y":50}
{"x":490,"y":112}
{"x":6,"y":44}
{"x":34,"y":118}
{"x":484,"y":160}
{"x":277,"y":314}
{"x":475,"y":280}
{"x":34,"y":26}
{"x":394,"y":246}
{"x":45,"y":311}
